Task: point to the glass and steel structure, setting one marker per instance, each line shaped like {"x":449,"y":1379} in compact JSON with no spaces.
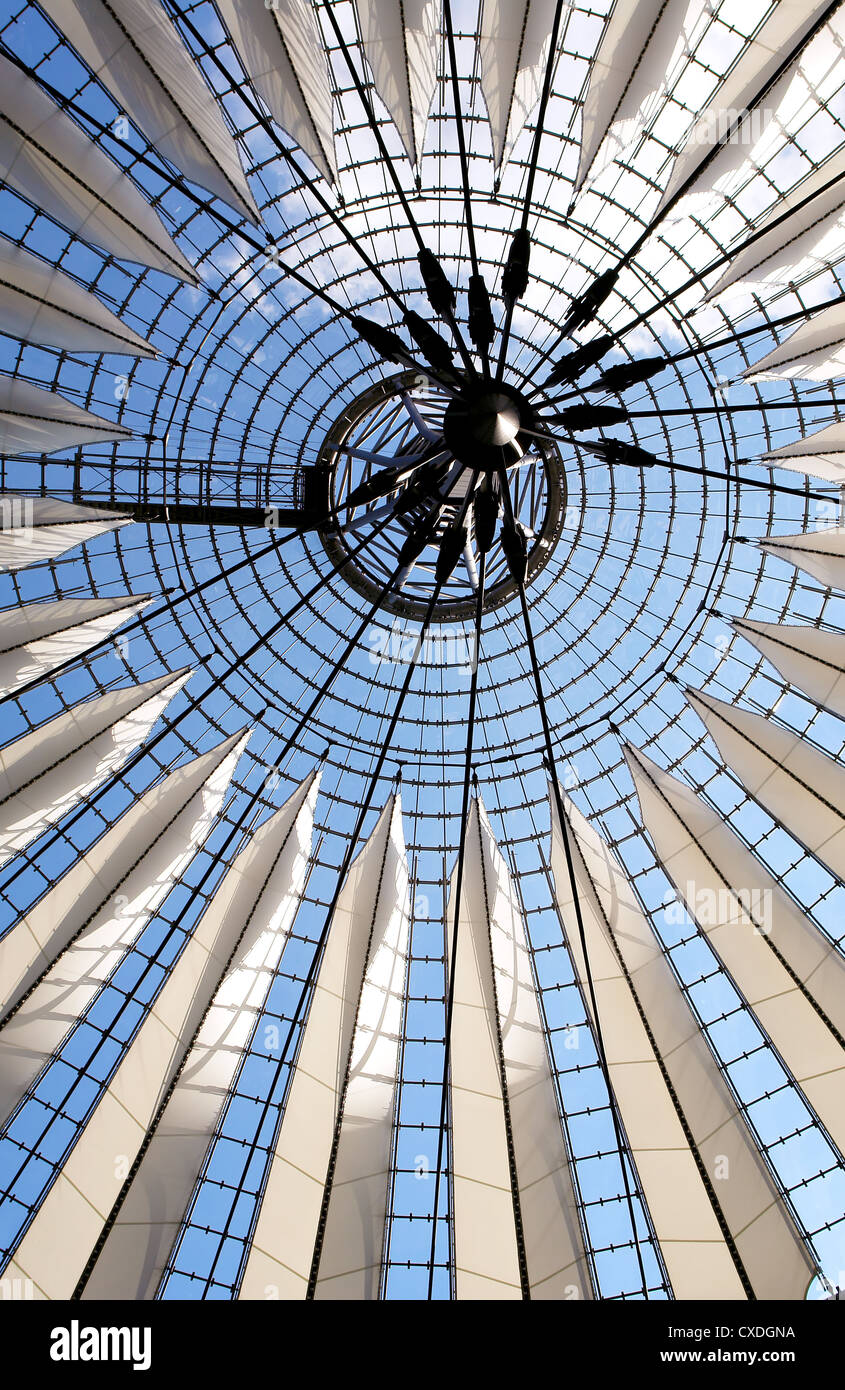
{"x":422,"y":568}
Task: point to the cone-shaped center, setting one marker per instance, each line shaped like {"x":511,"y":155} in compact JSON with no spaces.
{"x":494,"y":419}
{"x":481,"y":426}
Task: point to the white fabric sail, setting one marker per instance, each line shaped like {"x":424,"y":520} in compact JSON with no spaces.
{"x":40,"y":304}
{"x":800,"y":787}
{"x":484,"y":1219}
{"x":821,"y":553}
{"x":352,"y":1034}
{"x":821,"y":455}
{"x":146,"y":867}
{"x":793,"y":979}
{"x":47,"y":772}
{"x":36,"y":939}
{"x":35,"y":529}
{"x":805,"y":224}
{"x":251,"y":908}
{"x":631,"y":63}
{"x":137,"y":53}
{"x":401,"y":39}
{"x":814,"y":352}
{"x":35,"y":638}
{"x":283,"y":56}
{"x":695,"y":1191}
{"x":351,"y":1258}
{"x":50,"y":160}
{"x":808,"y":657}
{"x":251,"y":915}
{"x":34,"y":421}
{"x":514,"y":44}
{"x":786,"y":26}
{"x":496,"y":1005}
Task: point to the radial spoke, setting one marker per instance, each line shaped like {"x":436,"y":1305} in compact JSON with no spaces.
{"x":532,"y":173}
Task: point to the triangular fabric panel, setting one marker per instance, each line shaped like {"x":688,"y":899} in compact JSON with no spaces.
{"x":760,"y":936}
{"x":821,"y":455}
{"x":35,"y":529}
{"x":283,"y":54}
{"x":401,"y":40}
{"x":168,"y":834}
{"x":258,"y":897}
{"x":486,"y":1252}
{"x":34,"y":421}
{"x":35,"y":638}
{"x":807,"y":657}
{"x":514,"y":41}
{"x":47,"y":772}
{"x":654,"y":1042}
{"x":350,"y":1045}
{"x":496,"y":1006}
{"x":48,"y":159}
{"x":821,"y":553}
{"x":95,"y":881}
{"x":136,"y":52}
{"x":814,"y":352}
{"x":800,"y":787}
{"x":40,"y":304}
{"x":630,"y":65}
{"x":351,"y":1259}
{"x":798,"y":234}
{"x":251,"y":914}
{"x":739,"y":91}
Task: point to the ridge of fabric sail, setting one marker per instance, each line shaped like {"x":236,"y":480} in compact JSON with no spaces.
{"x":821,"y":553}
{"x":284,"y":58}
{"x":88,"y":935}
{"x":814,"y":352}
{"x":809,"y":658}
{"x":788,"y":23}
{"x":251,"y":914}
{"x":50,"y":160}
{"x":653,"y":1042}
{"x":819,"y":455}
{"x":137,"y":53}
{"x":630,"y":64}
{"x":350,"y":1043}
{"x":34,"y":421}
{"x":514,"y":47}
{"x":41,"y":304}
{"x":48,"y":771}
{"x":757,"y":933}
{"x":800,"y":787}
{"x":35,"y":638}
{"x":496,"y":1004}
{"x":803,"y":227}
{"x":35,"y":529}
{"x":400,"y":40}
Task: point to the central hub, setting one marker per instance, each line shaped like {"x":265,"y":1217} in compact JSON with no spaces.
{"x":489,"y":424}
{"x":481,"y":426}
